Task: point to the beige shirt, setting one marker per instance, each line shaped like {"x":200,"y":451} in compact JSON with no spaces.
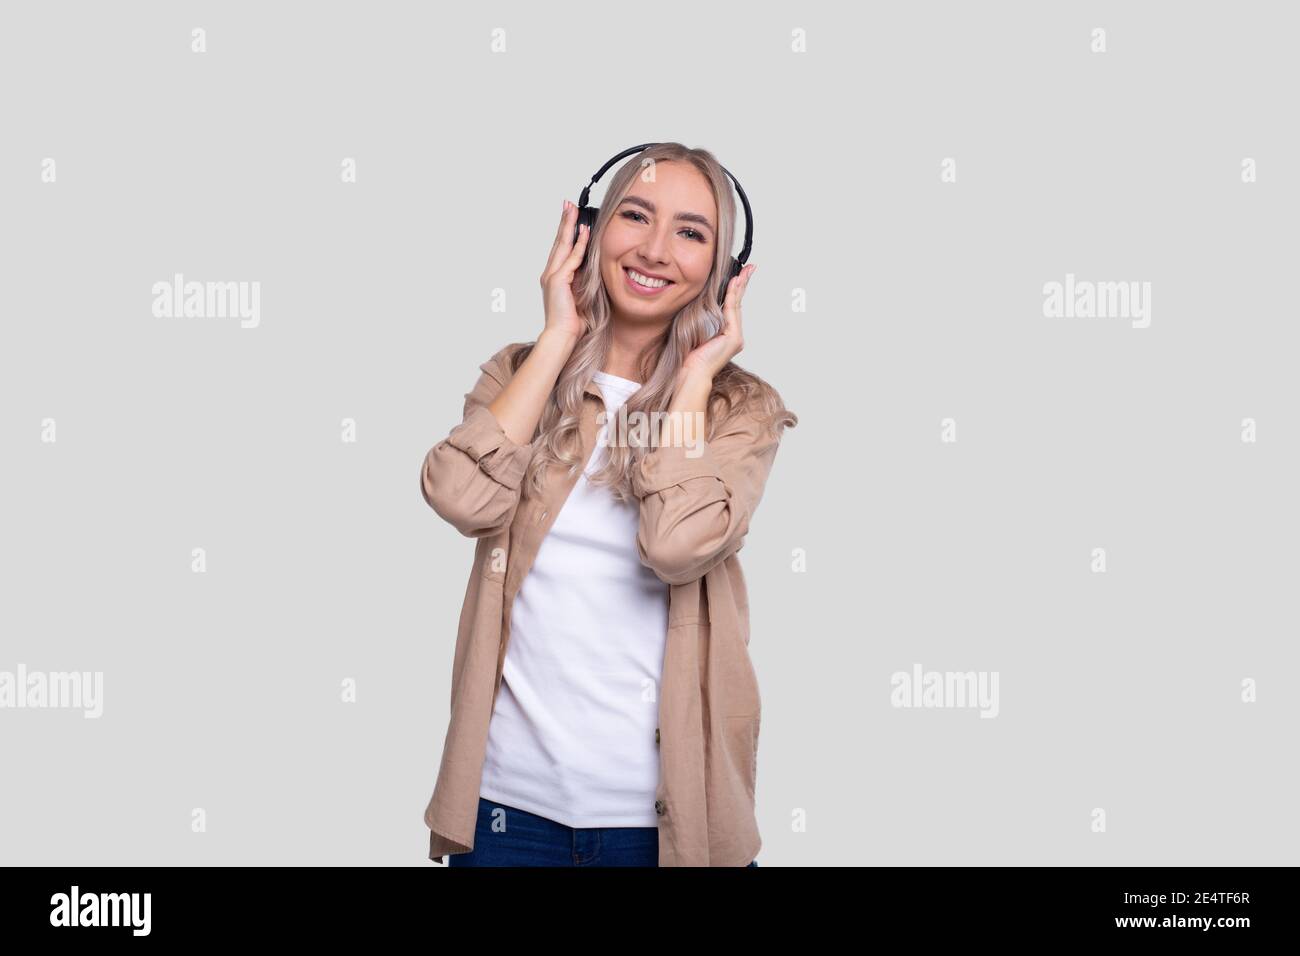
{"x":694,"y":513}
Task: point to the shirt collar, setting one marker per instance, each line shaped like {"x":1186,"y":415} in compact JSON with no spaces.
{"x":594,"y":389}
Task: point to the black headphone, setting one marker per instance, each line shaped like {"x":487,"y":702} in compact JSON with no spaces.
{"x":587,"y":215}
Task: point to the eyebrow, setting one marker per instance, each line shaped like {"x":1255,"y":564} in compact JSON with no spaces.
{"x":683,"y":216}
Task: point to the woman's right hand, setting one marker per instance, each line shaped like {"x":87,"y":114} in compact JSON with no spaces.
{"x":557,"y":281}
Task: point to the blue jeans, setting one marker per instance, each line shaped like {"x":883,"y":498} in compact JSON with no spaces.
{"x":530,"y":840}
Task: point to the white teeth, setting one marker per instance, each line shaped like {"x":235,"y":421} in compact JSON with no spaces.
{"x":646,"y":281}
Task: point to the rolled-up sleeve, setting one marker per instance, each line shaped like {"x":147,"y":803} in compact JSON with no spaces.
{"x":695,"y":511}
{"x":472,"y":477}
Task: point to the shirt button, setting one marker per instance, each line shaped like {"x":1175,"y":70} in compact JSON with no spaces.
{"x":659,"y":807}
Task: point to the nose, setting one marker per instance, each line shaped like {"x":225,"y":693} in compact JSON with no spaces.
{"x":655,"y":247}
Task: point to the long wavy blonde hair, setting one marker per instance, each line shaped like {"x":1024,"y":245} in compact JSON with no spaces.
{"x":734,"y":391}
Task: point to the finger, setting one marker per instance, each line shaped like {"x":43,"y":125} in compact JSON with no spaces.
{"x":563,"y":238}
{"x":736,"y":288}
{"x":730,"y":317}
{"x":575,"y":257}
{"x":731,"y":311}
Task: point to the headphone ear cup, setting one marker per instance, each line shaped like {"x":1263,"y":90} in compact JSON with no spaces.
{"x":586,"y":216}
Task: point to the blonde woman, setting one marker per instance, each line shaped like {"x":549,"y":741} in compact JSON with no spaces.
{"x":604,"y":708}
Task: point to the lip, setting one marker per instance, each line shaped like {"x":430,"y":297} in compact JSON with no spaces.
{"x":642,"y":290}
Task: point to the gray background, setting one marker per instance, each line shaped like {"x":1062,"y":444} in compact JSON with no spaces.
{"x":1118,"y":690}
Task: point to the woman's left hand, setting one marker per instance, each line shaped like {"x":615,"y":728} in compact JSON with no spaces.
{"x":709,"y":358}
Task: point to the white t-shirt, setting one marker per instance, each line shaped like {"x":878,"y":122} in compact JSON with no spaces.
{"x":572,"y":736}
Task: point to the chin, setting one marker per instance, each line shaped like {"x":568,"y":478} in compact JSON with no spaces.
{"x":649,"y":315}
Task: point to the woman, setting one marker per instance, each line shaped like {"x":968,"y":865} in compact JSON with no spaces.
{"x":604,"y":709}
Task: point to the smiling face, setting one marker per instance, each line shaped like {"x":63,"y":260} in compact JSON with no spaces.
{"x":665,"y":231}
